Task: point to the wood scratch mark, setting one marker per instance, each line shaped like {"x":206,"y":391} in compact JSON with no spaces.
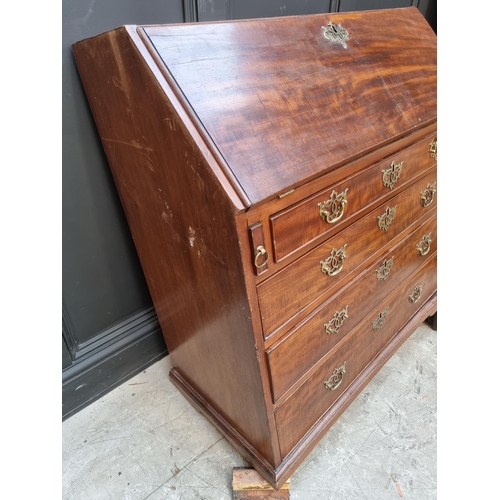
{"x":118,"y":83}
{"x":176,"y":235}
{"x":216,"y":257}
{"x":388,"y":90}
{"x":146,"y":161}
{"x":135,"y":144}
{"x":192,"y":238}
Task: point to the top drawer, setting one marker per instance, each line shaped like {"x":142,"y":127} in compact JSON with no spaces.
{"x":326,"y":211}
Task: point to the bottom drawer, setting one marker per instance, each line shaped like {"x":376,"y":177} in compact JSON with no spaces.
{"x":328,"y":381}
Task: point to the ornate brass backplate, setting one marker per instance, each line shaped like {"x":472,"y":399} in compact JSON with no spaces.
{"x":424,"y":245}
{"x":379,"y":321}
{"x":427,"y":195}
{"x":391,"y":175}
{"x":336,"y":34}
{"x":387,"y":218}
{"x":433,"y":149}
{"x":333,"y":326}
{"x":384,"y":270}
{"x":336,"y":378}
{"x":332,"y":209}
{"x":333,"y":265}
{"x":415,"y":295}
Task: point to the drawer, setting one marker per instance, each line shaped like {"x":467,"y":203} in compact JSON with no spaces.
{"x":298,"y":414}
{"x":292,"y":356}
{"x":287,"y":292}
{"x":337,"y":204}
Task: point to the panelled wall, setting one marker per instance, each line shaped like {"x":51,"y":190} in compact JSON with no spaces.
{"x":109,"y":328}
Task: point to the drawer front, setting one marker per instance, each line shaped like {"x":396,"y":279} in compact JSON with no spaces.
{"x":291,"y":357}
{"x":312,"y":399}
{"x":322,"y":270}
{"x":325,"y":211}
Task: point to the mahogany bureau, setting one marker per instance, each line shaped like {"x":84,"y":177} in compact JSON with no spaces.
{"x":279,"y":179}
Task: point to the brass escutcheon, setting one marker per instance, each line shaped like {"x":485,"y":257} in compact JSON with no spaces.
{"x":384,"y":270}
{"x":336,"y":34}
{"x":415,"y":295}
{"x":427,"y":195}
{"x":332,"y":209}
{"x":260,"y":251}
{"x":424,"y":245}
{"x":391,"y":175}
{"x":333,"y":265}
{"x":336,"y":378}
{"x":387,"y":218}
{"x":379,"y":321}
{"x":333,"y":326}
{"x":433,"y":149}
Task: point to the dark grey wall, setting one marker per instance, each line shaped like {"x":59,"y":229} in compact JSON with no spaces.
{"x":216,"y":10}
{"x":110,"y":329}
{"x":350,"y":5}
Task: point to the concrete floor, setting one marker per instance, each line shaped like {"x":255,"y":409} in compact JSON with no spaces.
{"x":145,"y":441}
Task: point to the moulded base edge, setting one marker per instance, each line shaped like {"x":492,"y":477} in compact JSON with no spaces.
{"x":278,"y":476}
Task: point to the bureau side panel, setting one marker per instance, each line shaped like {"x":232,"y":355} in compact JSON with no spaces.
{"x":183,"y":224}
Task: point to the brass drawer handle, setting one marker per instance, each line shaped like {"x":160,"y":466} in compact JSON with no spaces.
{"x":383,"y":271}
{"x":333,"y":265}
{"x":424,"y":245}
{"x":387,"y":218}
{"x":433,"y":149}
{"x":427,"y":195}
{"x":336,"y":378}
{"x":415,"y":295}
{"x":332,"y":209}
{"x":391,"y":175}
{"x":260,"y":252}
{"x":333,"y":326}
{"x":379,"y":321}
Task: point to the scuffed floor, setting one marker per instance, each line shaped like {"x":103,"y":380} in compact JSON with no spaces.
{"x":145,"y":441}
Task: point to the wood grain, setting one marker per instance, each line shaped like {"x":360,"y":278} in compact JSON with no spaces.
{"x":287,"y":292}
{"x":300,"y":349}
{"x":305,"y":446}
{"x":310,"y":401}
{"x":185,"y":251}
{"x":276,"y":92}
{"x":261,"y":213}
{"x":250,"y":479}
{"x":205,"y":128}
{"x":363,"y":191}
